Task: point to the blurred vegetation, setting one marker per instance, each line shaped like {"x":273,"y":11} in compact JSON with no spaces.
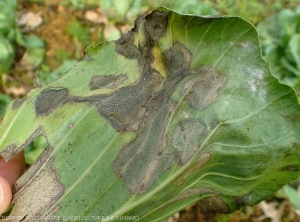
{"x":280,"y":39}
{"x":8,"y":34}
{"x":71,"y":25}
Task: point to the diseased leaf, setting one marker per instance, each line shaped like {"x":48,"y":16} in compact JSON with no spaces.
{"x":180,"y":109}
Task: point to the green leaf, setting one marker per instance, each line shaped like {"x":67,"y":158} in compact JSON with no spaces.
{"x":8,"y":33}
{"x":6,"y":54}
{"x":294,"y":49}
{"x":180,"y":109}
{"x":279,"y":36}
{"x":33,"y":150}
{"x":291,"y":194}
{"x":33,"y":41}
{"x":193,"y":7}
{"x":122,"y":7}
{"x":80,"y":32}
{"x":35,"y":52}
{"x":46,"y":77}
{"x":7,"y":16}
{"x":116,"y":9}
{"x":4,"y":101}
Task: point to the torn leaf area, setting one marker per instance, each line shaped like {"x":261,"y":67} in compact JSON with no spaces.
{"x":41,"y":197}
{"x":182,"y":108}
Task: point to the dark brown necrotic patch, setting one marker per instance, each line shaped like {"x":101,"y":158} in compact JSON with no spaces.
{"x":156,"y":25}
{"x":146,"y":107}
{"x":18,"y":102}
{"x":11,"y":150}
{"x":204,"y":87}
{"x":125,"y":46}
{"x":48,"y":100}
{"x":142,"y":161}
{"x":123,"y":106}
{"x":106,"y":81}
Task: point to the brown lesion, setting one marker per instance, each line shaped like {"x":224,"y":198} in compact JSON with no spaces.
{"x":146,"y":107}
{"x":152,"y":27}
{"x":39,"y":193}
{"x":125,"y":46}
{"x":106,"y":81}
{"x":205,"y":87}
{"x":143,"y":161}
{"x":11,"y":150}
{"x":48,"y":100}
{"x":18,"y":102}
{"x":156,"y":25}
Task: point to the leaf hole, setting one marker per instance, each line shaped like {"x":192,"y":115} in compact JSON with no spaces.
{"x":34,"y":149}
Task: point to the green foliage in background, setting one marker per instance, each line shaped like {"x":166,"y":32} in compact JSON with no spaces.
{"x":182,"y":109}
{"x":35,"y":51}
{"x":280,"y":40}
{"x":253,"y":11}
{"x":194,"y":7}
{"x":46,"y":76}
{"x":9,"y":33}
{"x":10,"y":36}
{"x":4,"y":101}
{"x":34,"y":149}
{"x":290,"y":193}
{"x":80,"y":33}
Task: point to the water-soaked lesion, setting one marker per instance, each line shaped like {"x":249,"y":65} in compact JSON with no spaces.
{"x":186,"y":138}
{"x":147,"y":107}
{"x":142,"y":161}
{"x":126,"y":47}
{"x":205,"y":87}
{"x":48,"y":100}
{"x":18,"y":102}
{"x":152,"y":27}
{"x":107,"y":81}
{"x":156,"y":25}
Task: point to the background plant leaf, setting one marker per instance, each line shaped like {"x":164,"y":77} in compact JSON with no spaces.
{"x":180,"y":109}
{"x":279,"y":36}
{"x":4,"y":101}
{"x":291,"y":194}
